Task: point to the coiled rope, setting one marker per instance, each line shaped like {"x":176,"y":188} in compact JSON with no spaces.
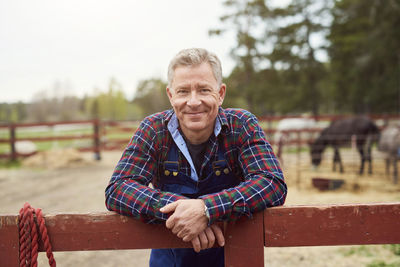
{"x":31,"y":225}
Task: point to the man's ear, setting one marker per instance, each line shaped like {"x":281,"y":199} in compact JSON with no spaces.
{"x":169,"y":94}
{"x":221,"y":93}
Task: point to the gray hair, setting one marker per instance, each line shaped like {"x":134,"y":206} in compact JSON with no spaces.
{"x":193,"y":57}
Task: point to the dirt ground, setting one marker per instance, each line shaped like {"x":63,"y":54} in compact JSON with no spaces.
{"x":79,"y":187}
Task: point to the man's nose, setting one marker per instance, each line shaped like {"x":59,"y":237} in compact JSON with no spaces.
{"x":193,"y":99}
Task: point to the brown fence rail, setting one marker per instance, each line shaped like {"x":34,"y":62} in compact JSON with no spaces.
{"x":288,"y":226}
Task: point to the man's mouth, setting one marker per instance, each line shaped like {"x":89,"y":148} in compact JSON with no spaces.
{"x":194,"y":114}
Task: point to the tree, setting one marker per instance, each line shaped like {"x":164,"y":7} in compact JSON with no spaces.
{"x":13,"y":112}
{"x":243,"y":19}
{"x":111,"y":105}
{"x":277,"y":66}
{"x":151,"y":96}
{"x":299,"y":36}
{"x":365,"y":55}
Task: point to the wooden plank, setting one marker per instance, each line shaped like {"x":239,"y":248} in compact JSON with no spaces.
{"x":9,"y":241}
{"x":47,"y":123}
{"x":245,"y":242}
{"x":57,"y":138}
{"x":332,"y":225}
{"x":105,"y":231}
{"x":283,"y":227}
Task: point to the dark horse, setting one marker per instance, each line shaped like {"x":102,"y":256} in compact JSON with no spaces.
{"x":358,"y":130}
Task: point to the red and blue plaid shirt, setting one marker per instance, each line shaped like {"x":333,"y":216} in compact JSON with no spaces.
{"x":247,"y":151}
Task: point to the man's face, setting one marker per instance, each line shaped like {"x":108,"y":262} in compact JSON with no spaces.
{"x":195,"y":96}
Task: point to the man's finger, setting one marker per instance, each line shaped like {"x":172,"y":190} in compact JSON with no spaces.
{"x":196,"y":244}
{"x":210,"y":236}
{"x":203,"y":240}
{"x":169,"y":207}
{"x":218,"y":234}
{"x":188,"y":236}
{"x":181,"y":233}
{"x":170,"y":223}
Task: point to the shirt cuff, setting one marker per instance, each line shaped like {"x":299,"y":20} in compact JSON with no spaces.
{"x":165,"y":199}
{"x":222,"y":208}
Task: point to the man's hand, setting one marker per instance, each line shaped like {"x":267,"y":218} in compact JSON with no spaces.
{"x":206,"y":239}
{"x":188,"y":219}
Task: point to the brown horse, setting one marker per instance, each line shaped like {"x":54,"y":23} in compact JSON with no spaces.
{"x":361,"y":130}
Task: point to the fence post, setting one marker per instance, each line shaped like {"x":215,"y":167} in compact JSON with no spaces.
{"x":244,"y":244}
{"x":13,"y":155}
{"x":96,"y":139}
{"x":9,"y":241}
{"x":298,"y":156}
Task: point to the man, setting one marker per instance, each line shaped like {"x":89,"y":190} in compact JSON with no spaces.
{"x":206,"y":164}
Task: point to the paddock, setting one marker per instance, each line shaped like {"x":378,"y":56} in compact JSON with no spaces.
{"x":79,"y":189}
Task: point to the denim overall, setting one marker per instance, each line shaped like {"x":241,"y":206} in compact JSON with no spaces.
{"x":219,"y":177}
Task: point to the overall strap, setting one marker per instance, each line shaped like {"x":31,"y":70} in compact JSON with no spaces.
{"x":220,"y":165}
{"x":171,"y":165}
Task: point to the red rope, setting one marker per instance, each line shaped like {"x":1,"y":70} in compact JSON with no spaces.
{"x":29,"y":237}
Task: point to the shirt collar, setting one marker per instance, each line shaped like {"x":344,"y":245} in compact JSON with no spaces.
{"x":221,"y":117}
{"x":221,"y":122}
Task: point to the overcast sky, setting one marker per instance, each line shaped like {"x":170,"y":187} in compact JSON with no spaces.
{"x":80,"y":45}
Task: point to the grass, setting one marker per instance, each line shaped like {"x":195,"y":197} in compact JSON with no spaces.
{"x":359,"y":250}
{"x":384,"y":264}
{"x":367,"y":251}
{"x":395,"y":248}
{"x":9,"y":164}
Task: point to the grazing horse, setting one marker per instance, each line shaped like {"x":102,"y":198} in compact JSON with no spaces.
{"x":389,"y":143}
{"x":360,"y":130}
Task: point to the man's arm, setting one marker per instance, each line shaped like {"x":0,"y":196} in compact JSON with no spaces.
{"x":128,"y":192}
{"x":263,"y":184}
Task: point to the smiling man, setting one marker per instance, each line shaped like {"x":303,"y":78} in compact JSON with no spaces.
{"x":206,"y":164}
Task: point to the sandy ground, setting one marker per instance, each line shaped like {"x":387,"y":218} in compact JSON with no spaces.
{"x":79,"y":187}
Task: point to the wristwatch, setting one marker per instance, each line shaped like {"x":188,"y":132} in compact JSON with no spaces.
{"x":206,"y":212}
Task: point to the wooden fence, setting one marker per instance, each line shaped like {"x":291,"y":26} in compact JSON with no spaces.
{"x":103,"y":128}
{"x":13,"y":155}
{"x":245,"y":240}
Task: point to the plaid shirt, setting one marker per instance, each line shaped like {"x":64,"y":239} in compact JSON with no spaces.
{"x":247,"y":151}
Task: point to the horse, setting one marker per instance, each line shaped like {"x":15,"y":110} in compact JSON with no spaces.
{"x":288,"y":124}
{"x":359,"y":130}
{"x":389,"y":143}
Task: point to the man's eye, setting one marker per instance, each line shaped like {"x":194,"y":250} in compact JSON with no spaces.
{"x":181,"y":91}
{"x":205,"y":90}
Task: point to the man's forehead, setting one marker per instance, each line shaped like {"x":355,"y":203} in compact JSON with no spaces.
{"x":199,"y":75}
{"x":196,"y":84}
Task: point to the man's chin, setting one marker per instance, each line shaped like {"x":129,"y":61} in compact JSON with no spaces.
{"x":195,"y":125}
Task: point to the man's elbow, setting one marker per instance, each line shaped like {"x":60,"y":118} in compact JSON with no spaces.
{"x":281,"y":194}
{"x":109,"y":199}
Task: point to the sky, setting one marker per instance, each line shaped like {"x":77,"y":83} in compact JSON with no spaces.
{"x":78,"y":46}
